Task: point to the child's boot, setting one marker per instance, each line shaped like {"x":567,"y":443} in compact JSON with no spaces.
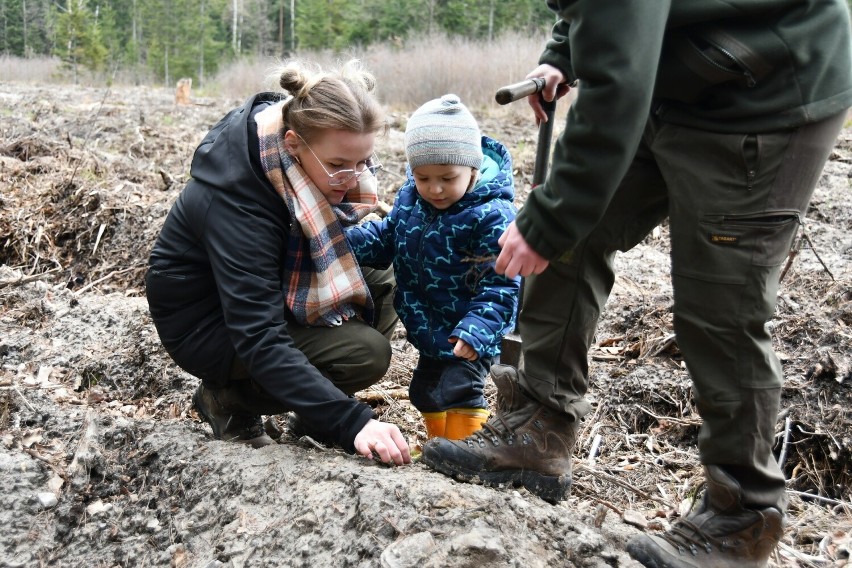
{"x":436,"y":423}
{"x":462,"y":422}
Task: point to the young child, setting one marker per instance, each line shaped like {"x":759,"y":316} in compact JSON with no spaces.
{"x":441,"y":237}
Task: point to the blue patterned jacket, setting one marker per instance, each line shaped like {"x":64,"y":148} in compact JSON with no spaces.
{"x":444,"y":261}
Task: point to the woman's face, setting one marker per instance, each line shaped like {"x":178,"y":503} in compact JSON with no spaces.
{"x":329,"y":152}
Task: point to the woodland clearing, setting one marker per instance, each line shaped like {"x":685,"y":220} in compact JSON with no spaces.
{"x":103,"y":462}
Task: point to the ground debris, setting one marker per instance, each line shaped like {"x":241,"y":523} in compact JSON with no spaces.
{"x":104,"y":463}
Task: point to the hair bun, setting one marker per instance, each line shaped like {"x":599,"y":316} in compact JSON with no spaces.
{"x":293,"y":78}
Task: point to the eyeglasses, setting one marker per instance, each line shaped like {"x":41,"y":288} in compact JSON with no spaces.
{"x":341,"y":177}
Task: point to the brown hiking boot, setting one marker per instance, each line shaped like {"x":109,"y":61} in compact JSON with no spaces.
{"x":721,"y":533}
{"x":523,"y":443}
{"x":228,"y":425}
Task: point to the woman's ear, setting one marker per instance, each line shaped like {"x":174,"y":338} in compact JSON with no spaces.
{"x":291,"y":142}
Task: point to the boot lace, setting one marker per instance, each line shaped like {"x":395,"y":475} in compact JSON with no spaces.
{"x":492,"y":433}
{"x":686,"y":534}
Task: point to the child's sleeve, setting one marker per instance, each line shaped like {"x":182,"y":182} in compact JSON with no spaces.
{"x":493,"y":307}
{"x":372,"y":242}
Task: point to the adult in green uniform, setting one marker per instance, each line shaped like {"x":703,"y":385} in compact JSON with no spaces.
{"x":718,"y":116}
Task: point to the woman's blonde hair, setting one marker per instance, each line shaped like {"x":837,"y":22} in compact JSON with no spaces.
{"x":340,"y":99}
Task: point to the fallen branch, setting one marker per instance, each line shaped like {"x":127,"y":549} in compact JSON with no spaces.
{"x":612,"y":479}
{"x":673,"y":420}
{"x":107,"y":277}
{"x":383,"y":395}
{"x":786,"y":443}
{"x":26,"y":279}
{"x":802,"y":494}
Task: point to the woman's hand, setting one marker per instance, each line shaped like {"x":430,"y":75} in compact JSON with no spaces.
{"x":554,"y":87}
{"x":384,"y":440}
{"x":516,"y":256}
{"x":463,"y":349}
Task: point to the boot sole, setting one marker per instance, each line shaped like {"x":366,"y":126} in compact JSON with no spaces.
{"x":551,"y":488}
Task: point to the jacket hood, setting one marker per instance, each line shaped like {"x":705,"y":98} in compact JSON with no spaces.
{"x":225,"y":159}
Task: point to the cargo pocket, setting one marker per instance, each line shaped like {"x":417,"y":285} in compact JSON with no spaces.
{"x":756,"y":240}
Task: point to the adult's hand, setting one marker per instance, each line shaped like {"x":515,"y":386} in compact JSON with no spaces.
{"x":516,"y":256}
{"x":554,"y":87}
{"x":383,"y":439}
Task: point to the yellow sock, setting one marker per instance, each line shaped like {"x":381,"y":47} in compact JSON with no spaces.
{"x":436,"y":423}
{"x":462,"y":422}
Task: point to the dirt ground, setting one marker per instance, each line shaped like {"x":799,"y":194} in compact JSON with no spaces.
{"x":103,"y":462}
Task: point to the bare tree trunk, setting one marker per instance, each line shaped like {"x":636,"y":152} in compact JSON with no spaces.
{"x":235,"y":8}
{"x":24,"y":9}
{"x":292,"y":25}
{"x":281,"y":27}
{"x":491,"y":7}
{"x":201,"y":50}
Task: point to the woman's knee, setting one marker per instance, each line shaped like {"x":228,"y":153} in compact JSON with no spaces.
{"x":372,"y":355}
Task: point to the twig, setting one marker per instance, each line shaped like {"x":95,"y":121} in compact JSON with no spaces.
{"x":816,"y":254}
{"x":786,"y":443}
{"x":383,"y":395}
{"x":593,"y":451}
{"x":620,"y":483}
{"x":26,"y":279}
{"x":672,"y":419}
{"x":20,"y":394}
{"x":801,"y":556}
{"x":795,"y":251}
{"x":107,"y":277}
{"x":815,"y":497}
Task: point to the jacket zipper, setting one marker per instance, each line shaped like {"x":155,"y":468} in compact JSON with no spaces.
{"x":750,"y":80}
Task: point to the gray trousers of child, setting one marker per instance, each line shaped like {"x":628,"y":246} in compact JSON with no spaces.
{"x":734,"y":204}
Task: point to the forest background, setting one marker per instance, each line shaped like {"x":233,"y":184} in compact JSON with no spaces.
{"x":229,"y":47}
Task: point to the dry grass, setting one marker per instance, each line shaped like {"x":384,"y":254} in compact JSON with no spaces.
{"x":408,"y":73}
{"x":411,"y":73}
{"x":30,"y":70}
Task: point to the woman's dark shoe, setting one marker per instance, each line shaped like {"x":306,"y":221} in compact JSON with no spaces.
{"x":228,"y":425}
{"x":523,"y":443}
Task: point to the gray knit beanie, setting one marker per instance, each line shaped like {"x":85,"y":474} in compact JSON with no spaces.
{"x":443,"y":131}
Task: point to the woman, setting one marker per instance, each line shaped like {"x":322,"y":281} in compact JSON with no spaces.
{"x":251,"y":285}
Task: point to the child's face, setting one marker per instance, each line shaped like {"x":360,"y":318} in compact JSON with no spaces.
{"x":442,"y":185}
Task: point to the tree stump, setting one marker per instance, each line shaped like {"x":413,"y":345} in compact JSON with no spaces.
{"x":182,"y":92}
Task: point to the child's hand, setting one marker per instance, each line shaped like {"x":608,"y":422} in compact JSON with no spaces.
{"x":463,"y":350}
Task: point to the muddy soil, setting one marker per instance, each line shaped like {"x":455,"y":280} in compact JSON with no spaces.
{"x":103,"y":462}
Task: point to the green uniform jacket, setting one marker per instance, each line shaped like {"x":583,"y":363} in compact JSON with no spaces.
{"x":729,"y":66}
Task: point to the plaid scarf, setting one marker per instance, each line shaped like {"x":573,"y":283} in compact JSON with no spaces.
{"x":324,"y":282}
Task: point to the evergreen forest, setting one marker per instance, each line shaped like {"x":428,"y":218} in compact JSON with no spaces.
{"x":167,"y":39}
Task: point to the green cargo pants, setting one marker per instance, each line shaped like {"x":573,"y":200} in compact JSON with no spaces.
{"x":734,"y":203}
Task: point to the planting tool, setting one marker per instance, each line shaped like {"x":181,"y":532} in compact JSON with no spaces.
{"x":511,"y":346}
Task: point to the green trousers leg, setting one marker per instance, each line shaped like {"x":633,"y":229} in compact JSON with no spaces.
{"x":561,"y":306}
{"x":734,"y":202}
